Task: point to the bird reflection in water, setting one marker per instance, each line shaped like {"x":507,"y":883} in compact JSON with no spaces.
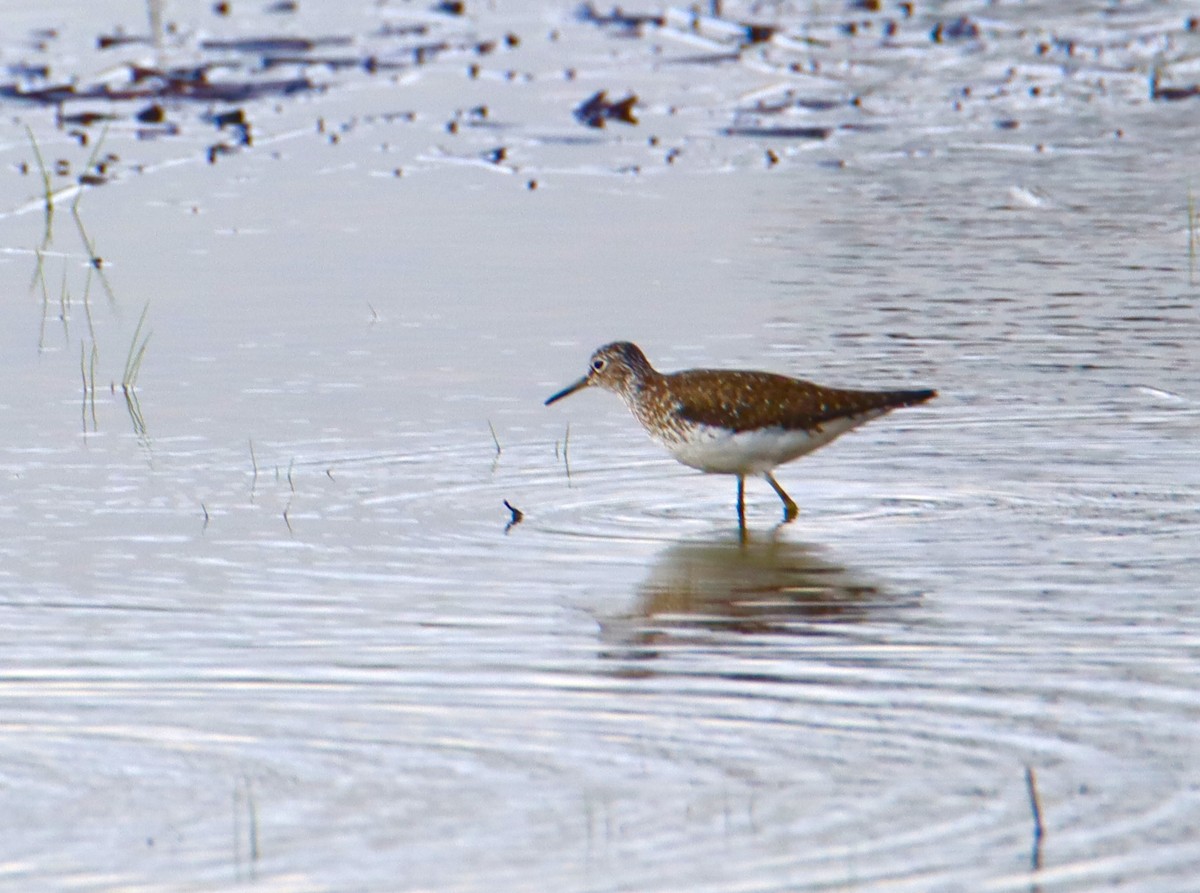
{"x":701,"y":591}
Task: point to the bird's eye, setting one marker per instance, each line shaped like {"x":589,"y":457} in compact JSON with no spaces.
{"x":598,"y":365}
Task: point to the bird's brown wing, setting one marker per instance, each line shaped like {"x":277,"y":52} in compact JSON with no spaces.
{"x":745,"y":401}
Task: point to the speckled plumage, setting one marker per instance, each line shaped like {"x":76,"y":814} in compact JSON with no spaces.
{"x":731,"y":421}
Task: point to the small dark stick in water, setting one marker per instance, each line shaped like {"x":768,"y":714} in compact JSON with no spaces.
{"x":517,"y":516}
{"x":1035,"y":804}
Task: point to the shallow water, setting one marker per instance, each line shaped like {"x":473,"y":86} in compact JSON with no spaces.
{"x":265,"y":624}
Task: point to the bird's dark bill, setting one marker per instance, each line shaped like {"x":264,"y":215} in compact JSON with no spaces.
{"x":568,"y":391}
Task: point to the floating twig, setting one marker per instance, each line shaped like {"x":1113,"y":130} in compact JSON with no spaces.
{"x":517,"y":516}
{"x":1035,"y":805}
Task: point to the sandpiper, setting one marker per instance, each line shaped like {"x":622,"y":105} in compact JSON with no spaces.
{"x":729,"y":421}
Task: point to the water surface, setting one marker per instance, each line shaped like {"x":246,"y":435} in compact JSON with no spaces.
{"x":264,"y":625}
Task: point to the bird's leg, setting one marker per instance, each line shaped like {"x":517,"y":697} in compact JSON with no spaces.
{"x":741,"y":502}
{"x":790,"y":510}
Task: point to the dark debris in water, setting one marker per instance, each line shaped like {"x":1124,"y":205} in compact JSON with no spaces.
{"x":787,"y":133}
{"x":226,"y":71}
{"x":262,"y":45}
{"x":29,"y":72}
{"x":152,"y":84}
{"x":152,"y":114}
{"x":759,"y":33}
{"x":216,"y":150}
{"x":631,"y":23}
{"x":598,"y":109}
{"x":961,"y":28}
{"x":802,"y":51}
{"x":1171,"y":94}
{"x":120,"y":39}
{"x":516,"y":516}
{"x":85,"y":119}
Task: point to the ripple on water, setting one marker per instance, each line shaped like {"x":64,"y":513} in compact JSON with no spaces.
{"x":617,"y":687}
{"x":348,"y":654}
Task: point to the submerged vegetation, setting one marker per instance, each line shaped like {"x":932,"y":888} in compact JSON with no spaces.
{"x":133,"y":366}
{"x":60,"y":302}
{"x":1191,"y":231}
{"x":137,"y":352}
{"x":87,"y":370}
{"x":43,"y":171}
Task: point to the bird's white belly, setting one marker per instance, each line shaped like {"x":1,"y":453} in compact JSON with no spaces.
{"x":720,"y":451}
